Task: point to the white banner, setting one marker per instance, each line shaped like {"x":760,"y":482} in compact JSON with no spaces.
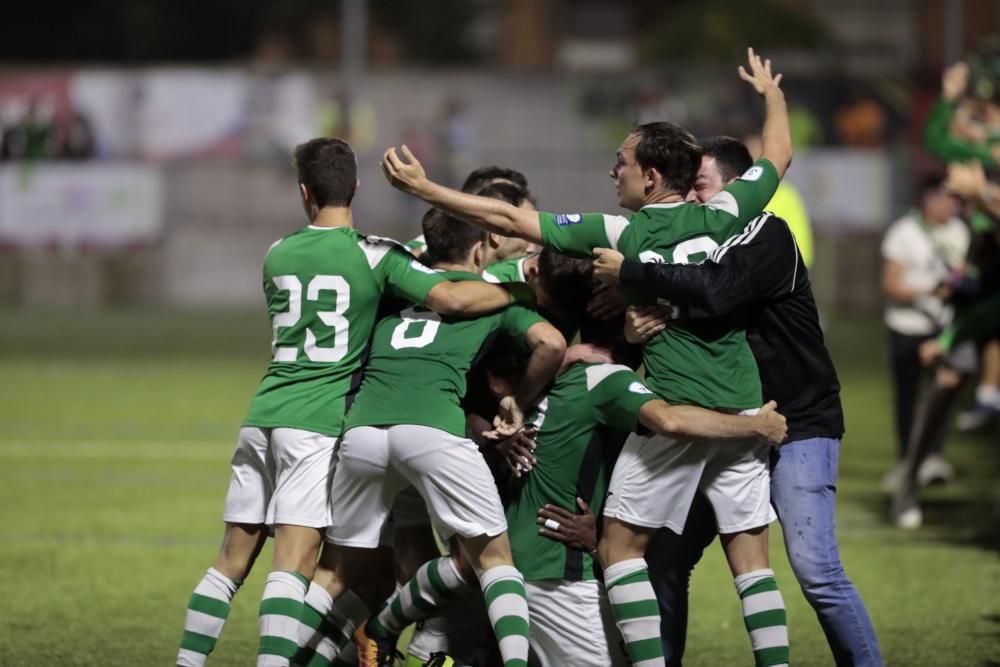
{"x":104,"y":204}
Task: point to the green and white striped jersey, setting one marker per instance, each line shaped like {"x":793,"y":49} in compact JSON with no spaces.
{"x":582,"y":424}
{"x":322,"y":286}
{"x":696,"y":360}
{"x":419,"y":359}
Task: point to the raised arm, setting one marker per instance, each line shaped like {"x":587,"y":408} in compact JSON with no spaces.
{"x":777,"y":135}
{"x":407,"y":175}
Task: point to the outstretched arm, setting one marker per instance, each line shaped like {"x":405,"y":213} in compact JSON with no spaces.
{"x":407,"y":175}
{"x":693,"y":422}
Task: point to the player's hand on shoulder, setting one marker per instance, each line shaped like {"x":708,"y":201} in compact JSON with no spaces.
{"x":403,"y":173}
{"x":518,"y":451}
{"x":760,"y":76}
{"x":577,"y":531}
{"x":607,"y":265}
{"x":606,"y":304}
{"x":772,"y":425}
{"x":644,"y":322}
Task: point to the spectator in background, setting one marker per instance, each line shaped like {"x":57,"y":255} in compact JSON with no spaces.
{"x":949,"y":135}
{"x":860,"y":123}
{"x":33,"y":137}
{"x":920,"y":252}
{"x":961,"y":129}
{"x":78,"y":142}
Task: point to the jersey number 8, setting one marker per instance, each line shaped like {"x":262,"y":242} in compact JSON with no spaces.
{"x":332,"y":318}
{"x":430,"y":322}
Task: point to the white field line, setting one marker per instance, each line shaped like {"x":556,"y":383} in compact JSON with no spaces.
{"x":134,"y":451}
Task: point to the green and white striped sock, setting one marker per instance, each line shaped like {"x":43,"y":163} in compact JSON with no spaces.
{"x":764,"y":616}
{"x":636,"y":613}
{"x":507,"y":606}
{"x":327,"y":626}
{"x":206,"y":614}
{"x":435,"y":583}
{"x":280,"y":610}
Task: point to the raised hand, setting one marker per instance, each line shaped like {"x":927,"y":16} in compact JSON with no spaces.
{"x":760,"y":76}
{"x":966,"y":179}
{"x":404,"y":173}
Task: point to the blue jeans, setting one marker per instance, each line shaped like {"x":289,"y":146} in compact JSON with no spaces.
{"x":803,"y":492}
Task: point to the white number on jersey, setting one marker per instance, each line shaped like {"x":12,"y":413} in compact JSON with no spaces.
{"x":428,"y":322}
{"x":332,"y":318}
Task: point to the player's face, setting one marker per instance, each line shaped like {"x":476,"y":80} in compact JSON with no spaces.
{"x":628,"y":176}
{"x":708,"y":183}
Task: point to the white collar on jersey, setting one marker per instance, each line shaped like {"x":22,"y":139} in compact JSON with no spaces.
{"x":673,"y":204}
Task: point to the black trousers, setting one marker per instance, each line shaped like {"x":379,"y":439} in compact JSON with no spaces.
{"x":907,"y":375}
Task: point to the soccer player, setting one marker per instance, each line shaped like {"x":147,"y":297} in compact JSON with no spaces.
{"x":580,"y":427}
{"x":407,"y":427}
{"x":706,"y":362}
{"x":322,"y":285}
{"x":762,"y":270}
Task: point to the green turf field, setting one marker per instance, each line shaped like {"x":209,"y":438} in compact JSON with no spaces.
{"x":113,"y":466}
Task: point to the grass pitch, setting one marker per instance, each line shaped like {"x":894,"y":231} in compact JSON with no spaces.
{"x":117,"y":428}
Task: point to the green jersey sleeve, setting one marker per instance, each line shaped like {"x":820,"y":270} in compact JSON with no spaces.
{"x":515,"y":322}
{"x":577,"y":234}
{"x":941,"y":143}
{"x":746,"y":197}
{"x":406,"y":277}
{"x":617,"y":394}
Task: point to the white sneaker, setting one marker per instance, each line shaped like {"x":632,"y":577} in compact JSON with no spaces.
{"x":892,"y":479}
{"x":910,"y":519}
{"x":935,"y":470}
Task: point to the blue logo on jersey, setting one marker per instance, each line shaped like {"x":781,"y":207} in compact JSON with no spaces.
{"x":571,"y":219}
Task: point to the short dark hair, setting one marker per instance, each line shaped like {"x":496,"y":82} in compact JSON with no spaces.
{"x":929,"y":182}
{"x":508,"y":192}
{"x":328,"y":169}
{"x":567,"y":280}
{"x":611,"y":335}
{"x":449,"y":239}
{"x":670,"y":150}
{"x":486,"y":175}
{"x":731,"y":156}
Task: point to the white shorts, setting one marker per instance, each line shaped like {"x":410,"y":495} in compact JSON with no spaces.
{"x":408,"y":511}
{"x":376,"y":463}
{"x":281,"y":476}
{"x":655,"y":479}
{"x":571,"y":624}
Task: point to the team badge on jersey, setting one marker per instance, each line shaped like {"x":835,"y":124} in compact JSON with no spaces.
{"x":639,"y":388}
{"x":752,"y":174}
{"x":570,"y":219}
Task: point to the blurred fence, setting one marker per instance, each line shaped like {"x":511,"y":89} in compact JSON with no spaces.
{"x":207,"y":184}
